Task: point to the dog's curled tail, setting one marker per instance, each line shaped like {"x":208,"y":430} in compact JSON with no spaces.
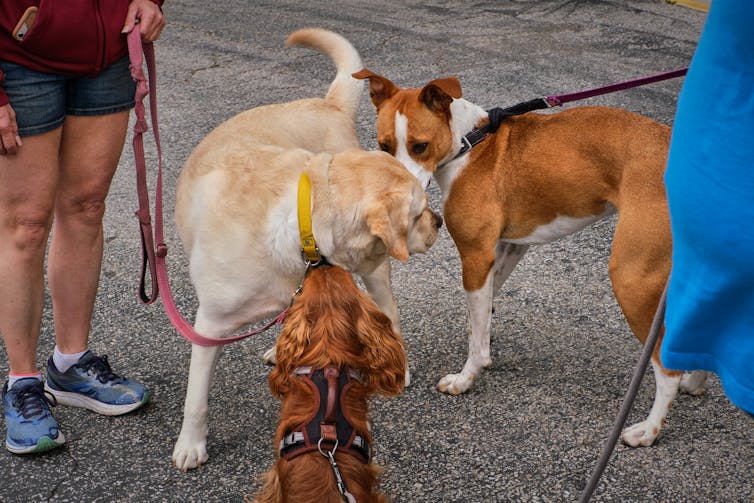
{"x":345,"y":91}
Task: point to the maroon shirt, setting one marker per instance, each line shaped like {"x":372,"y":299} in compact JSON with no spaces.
{"x":68,"y":37}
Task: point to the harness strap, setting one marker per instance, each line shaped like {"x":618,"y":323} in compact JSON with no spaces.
{"x":328,"y":424}
{"x":154,"y":256}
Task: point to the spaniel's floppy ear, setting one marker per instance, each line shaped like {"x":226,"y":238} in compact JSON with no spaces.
{"x":289,"y":348}
{"x":380,"y":88}
{"x":271,"y":490}
{"x":383,"y":349}
{"x":388,"y":220}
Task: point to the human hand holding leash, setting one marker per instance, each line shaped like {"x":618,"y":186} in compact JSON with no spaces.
{"x":9,"y":138}
{"x":148,"y":15}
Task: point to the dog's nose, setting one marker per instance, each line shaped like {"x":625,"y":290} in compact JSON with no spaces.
{"x":438,"y":220}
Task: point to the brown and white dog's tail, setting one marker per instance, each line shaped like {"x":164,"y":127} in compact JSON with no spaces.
{"x":345,"y":91}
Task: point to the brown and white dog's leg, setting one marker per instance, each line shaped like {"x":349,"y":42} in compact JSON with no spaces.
{"x":645,"y":432}
{"x":694,"y":383}
{"x":479,"y":304}
{"x":190,"y":449}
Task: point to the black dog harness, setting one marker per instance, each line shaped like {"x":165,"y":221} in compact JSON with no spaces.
{"x":329,"y":427}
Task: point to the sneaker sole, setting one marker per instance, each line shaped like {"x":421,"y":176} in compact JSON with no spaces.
{"x":79,"y":400}
{"x":44,"y":444}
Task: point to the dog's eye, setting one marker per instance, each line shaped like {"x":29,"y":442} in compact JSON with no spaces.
{"x":385,"y":147}
{"x":419,"y":148}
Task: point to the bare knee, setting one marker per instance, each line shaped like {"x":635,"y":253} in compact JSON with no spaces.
{"x":29,"y":230}
{"x":87,"y":209}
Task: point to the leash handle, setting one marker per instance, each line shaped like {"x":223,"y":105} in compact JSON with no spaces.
{"x":154,"y":256}
{"x":136,"y":55}
{"x":556,"y":101}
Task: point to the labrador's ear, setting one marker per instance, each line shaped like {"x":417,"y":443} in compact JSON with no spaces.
{"x":380,"y":88}
{"x":388,"y":220}
{"x":440,"y":93}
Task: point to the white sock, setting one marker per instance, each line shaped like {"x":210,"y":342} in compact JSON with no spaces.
{"x":12,"y":378}
{"x":63,"y":362}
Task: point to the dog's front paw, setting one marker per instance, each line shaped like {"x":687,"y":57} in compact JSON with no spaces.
{"x":694,"y":383}
{"x":188,"y":455}
{"x":270,"y":356}
{"x":641,"y":434}
{"x":455,"y":384}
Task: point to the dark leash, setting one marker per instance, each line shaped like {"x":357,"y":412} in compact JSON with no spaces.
{"x":497,"y":115}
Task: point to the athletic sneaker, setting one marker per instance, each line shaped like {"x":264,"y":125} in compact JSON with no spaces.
{"x":30,"y":425}
{"x":93,"y":385}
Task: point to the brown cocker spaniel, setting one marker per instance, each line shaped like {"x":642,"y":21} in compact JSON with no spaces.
{"x":336,"y":350}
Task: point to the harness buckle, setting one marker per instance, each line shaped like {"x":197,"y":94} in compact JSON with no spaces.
{"x":465,"y":146}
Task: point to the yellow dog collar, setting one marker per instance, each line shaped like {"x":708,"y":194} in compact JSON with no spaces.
{"x":309,"y":250}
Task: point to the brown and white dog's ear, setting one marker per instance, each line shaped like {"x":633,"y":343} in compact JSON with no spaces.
{"x":383,"y":349}
{"x":380,"y":88}
{"x":440,"y":93}
{"x":389,"y":222}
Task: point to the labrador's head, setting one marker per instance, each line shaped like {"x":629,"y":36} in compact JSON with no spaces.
{"x":387,"y":199}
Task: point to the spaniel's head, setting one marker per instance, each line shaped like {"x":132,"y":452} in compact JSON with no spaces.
{"x":333,"y":322}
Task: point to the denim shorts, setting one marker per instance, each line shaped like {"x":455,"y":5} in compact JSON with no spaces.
{"x":42,"y":100}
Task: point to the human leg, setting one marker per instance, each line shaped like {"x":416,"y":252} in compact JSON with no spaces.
{"x":89,"y":153}
{"x":92,"y":141}
{"x":91,"y":147}
{"x":27,"y":187}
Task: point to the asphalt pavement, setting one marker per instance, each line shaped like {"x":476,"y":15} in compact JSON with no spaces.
{"x":532,"y":426}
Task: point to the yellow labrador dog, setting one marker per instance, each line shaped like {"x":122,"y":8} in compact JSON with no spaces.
{"x":236,"y":213}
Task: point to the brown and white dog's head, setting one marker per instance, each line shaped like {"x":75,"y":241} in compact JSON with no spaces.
{"x":421,"y":127}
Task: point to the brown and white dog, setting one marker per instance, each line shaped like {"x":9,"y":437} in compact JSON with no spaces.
{"x":236,"y":214}
{"x":538,"y":178}
{"x":336,"y":350}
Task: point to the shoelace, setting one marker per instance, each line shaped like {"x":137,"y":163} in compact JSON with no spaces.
{"x":101,"y":368}
{"x":30,"y":401}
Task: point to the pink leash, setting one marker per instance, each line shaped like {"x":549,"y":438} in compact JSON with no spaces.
{"x":154,"y":257}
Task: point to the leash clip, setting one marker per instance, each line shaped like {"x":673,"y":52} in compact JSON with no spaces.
{"x":311,"y":258}
{"x":330,"y":455}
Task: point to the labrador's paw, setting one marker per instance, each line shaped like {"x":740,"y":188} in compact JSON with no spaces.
{"x":188,"y":455}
